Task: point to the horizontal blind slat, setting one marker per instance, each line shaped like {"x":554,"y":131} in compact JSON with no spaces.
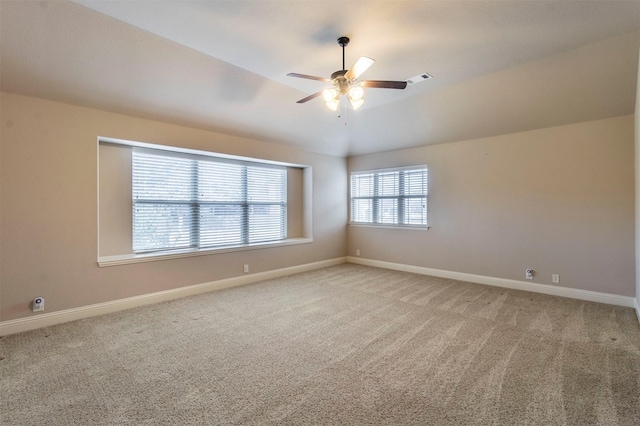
{"x":181,"y":202}
{"x":394,"y":197}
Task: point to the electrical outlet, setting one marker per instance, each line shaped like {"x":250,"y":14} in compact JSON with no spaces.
{"x":246,"y":268}
{"x":555,"y":278}
{"x":528,"y":274}
{"x":358,"y":252}
{"x":38,"y":304}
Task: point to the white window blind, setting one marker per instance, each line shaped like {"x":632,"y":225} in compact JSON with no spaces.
{"x":183,"y":201}
{"x":391,"y":197}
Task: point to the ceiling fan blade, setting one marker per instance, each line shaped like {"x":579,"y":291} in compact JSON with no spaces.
{"x":359,"y":67}
{"x":308,"y":98}
{"x":309,"y":77}
{"x":382,"y":84}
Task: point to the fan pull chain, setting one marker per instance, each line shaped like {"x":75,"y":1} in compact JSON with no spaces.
{"x":344,"y":107}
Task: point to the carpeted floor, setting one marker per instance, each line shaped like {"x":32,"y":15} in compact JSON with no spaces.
{"x":348,"y":344}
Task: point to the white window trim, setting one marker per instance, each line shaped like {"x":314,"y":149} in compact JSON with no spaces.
{"x":129,"y":258}
{"x":126,"y":259}
{"x":196,"y":152}
{"x":389,"y":226}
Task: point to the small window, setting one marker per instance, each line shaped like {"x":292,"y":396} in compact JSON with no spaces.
{"x":183,"y":201}
{"x":396,"y":197}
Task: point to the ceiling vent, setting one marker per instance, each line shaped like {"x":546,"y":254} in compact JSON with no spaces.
{"x":418,"y":78}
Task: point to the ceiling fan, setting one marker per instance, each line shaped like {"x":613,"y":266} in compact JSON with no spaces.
{"x":345,"y":82}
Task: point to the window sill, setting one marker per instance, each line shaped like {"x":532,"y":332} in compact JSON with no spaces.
{"x":125,"y":259}
{"x":389,"y":226}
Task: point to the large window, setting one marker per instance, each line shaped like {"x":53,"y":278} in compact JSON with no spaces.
{"x":390,"y":197}
{"x":185,"y":201}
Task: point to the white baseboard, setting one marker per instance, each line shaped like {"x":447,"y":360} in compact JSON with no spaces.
{"x":592,"y":296}
{"x":52,"y":318}
{"x":637,"y":306}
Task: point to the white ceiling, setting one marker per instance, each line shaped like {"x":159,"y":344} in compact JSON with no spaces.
{"x":498,"y":66}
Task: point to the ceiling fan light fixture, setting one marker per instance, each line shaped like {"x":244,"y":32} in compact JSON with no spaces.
{"x":356,"y":92}
{"x":331,"y":98}
{"x":333,"y":104}
{"x":329,"y":95}
{"x":356,"y":103}
{"x":356,"y":96}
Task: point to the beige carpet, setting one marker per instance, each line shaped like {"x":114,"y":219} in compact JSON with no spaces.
{"x":344,"y":345}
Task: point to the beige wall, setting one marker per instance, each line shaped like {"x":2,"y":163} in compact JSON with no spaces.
{"x":637,"y":173}
{"x":49,"y":181}
{"x":115,"y":229}
{"x":557,"y":200}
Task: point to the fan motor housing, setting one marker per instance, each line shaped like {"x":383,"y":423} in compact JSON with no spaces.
{"x":340,"y":81}
{"x":338,"y":74}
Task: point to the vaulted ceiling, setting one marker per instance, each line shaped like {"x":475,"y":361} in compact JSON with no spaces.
{"x":498,"y":66}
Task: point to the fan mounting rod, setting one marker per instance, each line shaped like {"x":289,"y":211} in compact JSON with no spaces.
{"x":343,"y":41}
